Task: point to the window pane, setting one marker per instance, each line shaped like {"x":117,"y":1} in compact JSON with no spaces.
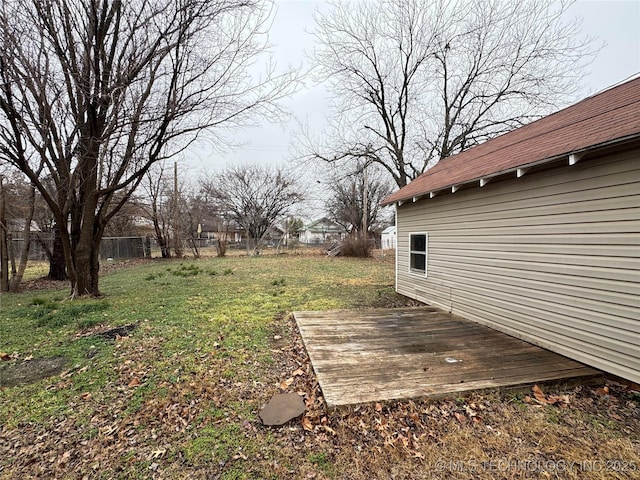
{"x":419,"y":243}
{"x":418,"y":261}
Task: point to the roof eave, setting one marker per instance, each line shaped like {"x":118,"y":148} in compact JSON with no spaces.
{"x":572,"y":156}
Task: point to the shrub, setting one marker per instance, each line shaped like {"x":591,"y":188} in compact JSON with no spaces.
{"x":356,"y":246}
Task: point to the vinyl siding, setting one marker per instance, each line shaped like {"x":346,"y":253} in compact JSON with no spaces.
{"x":552,"y":257}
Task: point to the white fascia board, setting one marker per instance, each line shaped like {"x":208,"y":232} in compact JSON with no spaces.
{"x":575,"y":158}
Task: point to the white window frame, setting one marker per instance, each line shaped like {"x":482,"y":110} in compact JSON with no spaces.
{"x":416,"y":271}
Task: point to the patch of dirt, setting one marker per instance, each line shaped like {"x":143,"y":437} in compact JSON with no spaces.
{"x":110,"y":333}
{"x":106,"y":267}
{"x":395,"y":300}
{"x":30,"y":371}
{"x":42,"y":283}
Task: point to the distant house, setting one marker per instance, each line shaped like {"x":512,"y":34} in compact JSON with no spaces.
{"x":388,"y":238}
{"x":321,"y":231}
{"x":537,"y":232}
{"x":213,"y":230}
{"x":275,"y":234}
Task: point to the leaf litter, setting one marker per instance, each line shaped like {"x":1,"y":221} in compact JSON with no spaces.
{"x":142,"y":432}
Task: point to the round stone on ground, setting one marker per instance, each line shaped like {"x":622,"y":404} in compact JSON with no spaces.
{"x":282,"y":408}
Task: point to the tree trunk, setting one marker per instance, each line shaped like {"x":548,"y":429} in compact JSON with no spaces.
{"x":147,"y":247}
{"x":87,"y":267}
{"x":4,"y":246}
{"x":177,"y":243}
{"x":85,"y":261}
{"x":165,"y":251}
{"x":57,"y":264}
{"x":16,"y":278}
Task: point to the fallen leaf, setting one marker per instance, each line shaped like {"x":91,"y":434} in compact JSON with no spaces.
{"x":85,"y":396}
{"x":5,"y":356}
{"x":306,"y":424}
{"x":158,"y":453}
{"x":65,"y":457}
{"x":246,"y":424}
{"x":286,"y":383}
{"x":239,"y":456}
{"x":297,"y":373}
{"x":378,"y":407}
{"x":461,"y":418}
{"x":539,"y":394}
{"x":134,"y":382}
{"x":328,"y":429}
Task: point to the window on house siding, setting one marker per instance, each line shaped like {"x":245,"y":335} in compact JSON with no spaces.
{"x":418,"y":253}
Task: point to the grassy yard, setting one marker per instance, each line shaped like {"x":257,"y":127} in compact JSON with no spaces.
{"x":176,"y":394}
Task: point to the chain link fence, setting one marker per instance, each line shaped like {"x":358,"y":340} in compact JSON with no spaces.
{"x":115,"y":248}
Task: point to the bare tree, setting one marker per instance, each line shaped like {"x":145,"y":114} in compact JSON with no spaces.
{"x":354,"y":201}
{"x":17,"y":272}
{"x":125,"y":223}
{"x":175,"y":209}
{"x":415,"y":82}
{"x":156,"y":207}
{"x":256,"y":198}
{"x":19,"y":199}
{"x":101,"y":90}
{"x":192,"y":210}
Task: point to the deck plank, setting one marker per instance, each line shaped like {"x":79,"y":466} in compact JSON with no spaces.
{"x":391,"y":354}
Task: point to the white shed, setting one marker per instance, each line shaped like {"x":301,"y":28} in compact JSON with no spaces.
{"x":388,"y":238}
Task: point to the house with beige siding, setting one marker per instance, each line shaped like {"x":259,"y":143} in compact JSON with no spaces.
{"x":537,"y":232}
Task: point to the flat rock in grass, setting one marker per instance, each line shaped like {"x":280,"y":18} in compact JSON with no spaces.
{"x":282,"y":408}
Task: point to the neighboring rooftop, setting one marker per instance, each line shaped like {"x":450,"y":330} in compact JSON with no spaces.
{"x":323,"y":225}
{"x":608,"y":117}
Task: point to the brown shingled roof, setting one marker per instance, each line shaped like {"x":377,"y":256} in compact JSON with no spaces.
{"x":609,"y":116}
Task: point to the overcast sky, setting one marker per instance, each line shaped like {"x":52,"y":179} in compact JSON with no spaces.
{"x":616,"y":23}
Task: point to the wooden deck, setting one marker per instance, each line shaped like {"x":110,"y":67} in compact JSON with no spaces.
{"x":384,"y":354}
